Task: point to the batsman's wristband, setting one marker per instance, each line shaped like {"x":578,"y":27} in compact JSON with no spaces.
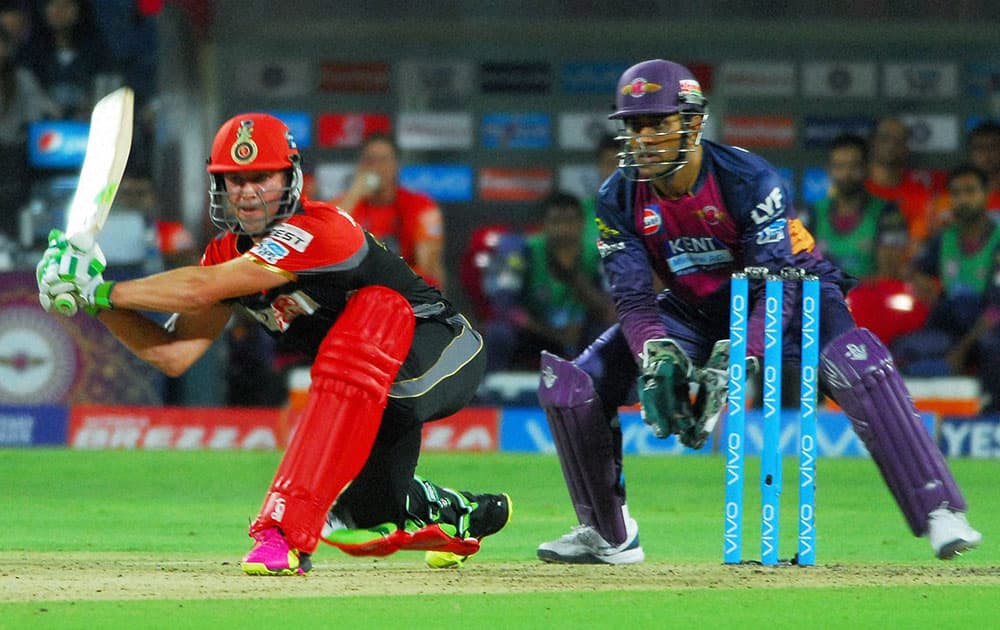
{"x":102,"y":298}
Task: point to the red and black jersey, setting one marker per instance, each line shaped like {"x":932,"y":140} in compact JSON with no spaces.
{"x":325,"y":255}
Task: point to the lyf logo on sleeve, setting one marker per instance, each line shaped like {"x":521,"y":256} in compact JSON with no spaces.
{"x":772,"y":205}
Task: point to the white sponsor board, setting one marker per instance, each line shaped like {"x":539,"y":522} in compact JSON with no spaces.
{"x":435,"y":83}
{"x":920,"y":80}
{"x":933,"y":133}
{"x":582,"y":130}
{"x":756,"y":78}
{"x":278,"y":78}
{"x":435,"y":131}
{"x":332,"y":178}
{"x":839,"y":80}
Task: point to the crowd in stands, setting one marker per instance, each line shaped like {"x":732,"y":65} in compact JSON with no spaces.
{"x":57,"y":58}
{"x":923,"y":245}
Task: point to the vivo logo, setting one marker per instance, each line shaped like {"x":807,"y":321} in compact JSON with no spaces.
{"x":734,"y":459}
{"x":732,"y":535}
{"x":808,"y":393}
{"x":768,"y":532}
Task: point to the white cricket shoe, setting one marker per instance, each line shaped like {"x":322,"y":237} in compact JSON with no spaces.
{"x":950,"y":533}
{"x":584,"y":545}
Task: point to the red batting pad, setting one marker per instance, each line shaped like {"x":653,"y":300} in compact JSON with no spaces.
{"x":356,"y":364}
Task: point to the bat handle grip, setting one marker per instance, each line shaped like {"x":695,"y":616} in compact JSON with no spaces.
{"x":64,"y":304}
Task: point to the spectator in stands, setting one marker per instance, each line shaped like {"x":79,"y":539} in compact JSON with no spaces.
{"x":958,"y":272}
{"x":130,"y":30}
{"x":70,"y":61}
{"x":408,"y":222}
{"x":865,"y":235}
{"x":18,"y":19}
{"x":554,"y":297}
{"x":22,"y":100}
{"x":983,"y":147}
{"x":890,"y":177}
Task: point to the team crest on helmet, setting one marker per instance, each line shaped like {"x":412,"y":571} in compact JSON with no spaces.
{"x":638,"y":87}
{"x":244,"y":150}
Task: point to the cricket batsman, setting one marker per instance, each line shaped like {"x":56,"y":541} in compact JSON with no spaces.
{"x":675,"y":220}
{"x":389,"y":354}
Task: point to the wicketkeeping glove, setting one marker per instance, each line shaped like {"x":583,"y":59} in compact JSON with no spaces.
{"x":713,"y":382}
{"x":664,"y":388}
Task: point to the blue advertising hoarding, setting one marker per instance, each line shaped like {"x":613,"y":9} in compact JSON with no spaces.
{"x":525,"y":429}
{"x":33,"y":426}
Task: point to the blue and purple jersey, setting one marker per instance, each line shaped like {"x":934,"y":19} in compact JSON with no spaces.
{"x":739,"y":214}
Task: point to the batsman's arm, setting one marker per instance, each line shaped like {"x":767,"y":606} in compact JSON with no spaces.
{"x":171,"y":349}
{"x":194,"y":289}
{"x":195,"y":294}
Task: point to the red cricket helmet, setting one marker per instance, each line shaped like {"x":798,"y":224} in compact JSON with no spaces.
{"x":252,"y":142}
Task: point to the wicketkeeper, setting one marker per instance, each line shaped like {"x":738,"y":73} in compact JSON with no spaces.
{"x":389,"y":353}
{"x":681,"y":214}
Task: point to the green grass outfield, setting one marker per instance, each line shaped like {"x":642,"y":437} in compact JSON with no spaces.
{"x":96,"y":539}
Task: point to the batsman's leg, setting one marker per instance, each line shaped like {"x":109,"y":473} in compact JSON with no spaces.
{"x":589,"y":446}
{"x":446,"y":523}
{"x":861,"y":377}
{"x":354,"y":368}
{"x":388,"y":508}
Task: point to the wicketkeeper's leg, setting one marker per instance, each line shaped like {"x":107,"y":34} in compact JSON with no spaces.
{"x":589,"y":447}
{"x":861,"y":377}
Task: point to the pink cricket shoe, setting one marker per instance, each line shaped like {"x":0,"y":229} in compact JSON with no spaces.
{"x":271,"y":555}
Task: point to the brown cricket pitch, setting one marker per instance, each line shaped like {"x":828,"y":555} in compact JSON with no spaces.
{"x":84,"y":576}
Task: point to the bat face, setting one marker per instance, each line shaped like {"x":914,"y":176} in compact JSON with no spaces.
{"x":108,"y":146}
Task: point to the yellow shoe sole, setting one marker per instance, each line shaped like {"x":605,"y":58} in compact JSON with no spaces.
{"x":448,"y":560}
{"x":444,"y":560}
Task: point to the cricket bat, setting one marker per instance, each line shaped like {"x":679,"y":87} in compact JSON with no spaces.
{"x":108,"y":144}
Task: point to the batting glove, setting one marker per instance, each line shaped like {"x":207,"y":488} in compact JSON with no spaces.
{"x":47,"y":271}
{"x":73,"y":267}
{"x":96,"y":296}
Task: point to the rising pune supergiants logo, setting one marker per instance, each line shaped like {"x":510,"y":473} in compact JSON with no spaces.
{"x":711,"y":215}
{"x":651,"y":221}
{"x":639,"y":87}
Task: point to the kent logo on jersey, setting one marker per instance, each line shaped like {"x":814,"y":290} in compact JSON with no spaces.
{"x":689,"y":254}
